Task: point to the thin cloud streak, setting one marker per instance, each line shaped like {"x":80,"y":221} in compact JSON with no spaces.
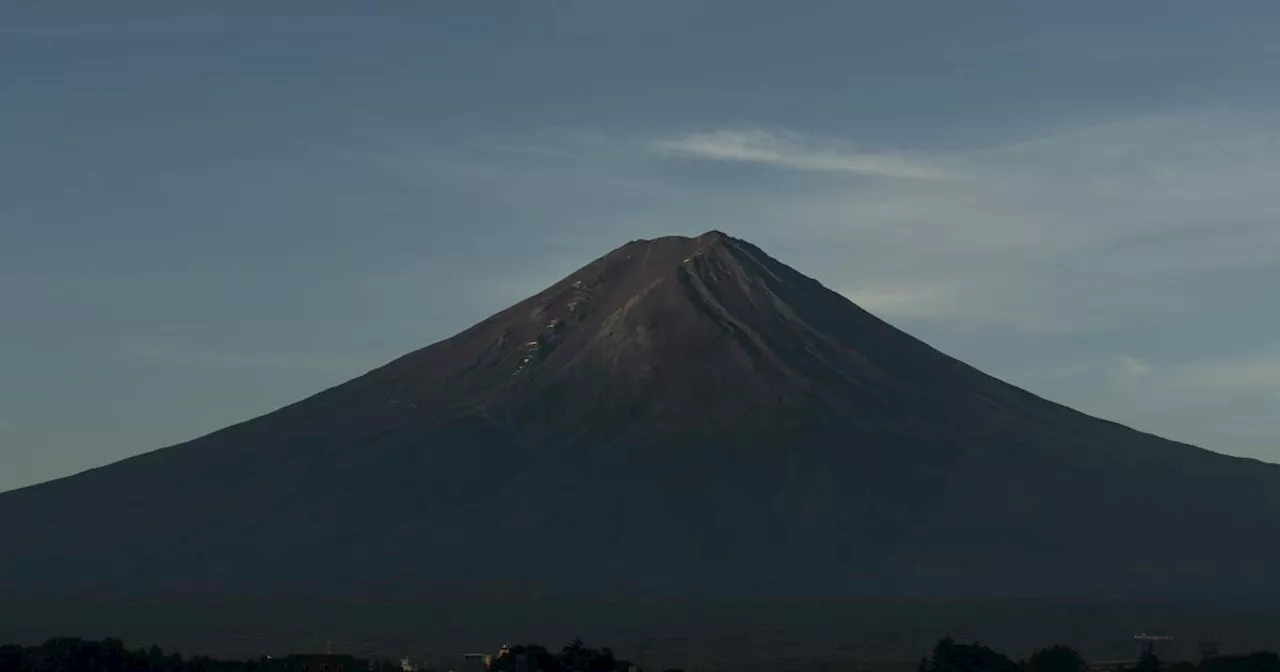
{"x":1132,"y":367}
{"x":918,"y":301}
{"x":795,"y":151}
{"x":1141,"y":220}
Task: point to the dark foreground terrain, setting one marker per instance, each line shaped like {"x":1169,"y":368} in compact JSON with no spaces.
{"x":747,"y":635}
{"x":65,"y":654}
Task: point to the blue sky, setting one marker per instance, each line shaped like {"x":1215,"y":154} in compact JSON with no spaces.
{"x":213,"y":209}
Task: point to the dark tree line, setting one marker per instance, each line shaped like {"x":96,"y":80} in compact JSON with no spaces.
{"x":67,"y":654}
{"x":948,"y":656}
{"x":574,"y":657}
{"x":110,"y":655}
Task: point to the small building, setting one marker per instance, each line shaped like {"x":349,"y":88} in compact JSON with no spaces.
{"x":474,"y":662}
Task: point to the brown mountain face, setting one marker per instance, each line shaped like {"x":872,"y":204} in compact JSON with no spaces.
{"x":682,"y":415}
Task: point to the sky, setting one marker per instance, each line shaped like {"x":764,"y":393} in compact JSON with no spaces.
{"x":210,"y":210}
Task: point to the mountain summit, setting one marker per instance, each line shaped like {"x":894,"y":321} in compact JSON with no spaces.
{"x":681,"y":415}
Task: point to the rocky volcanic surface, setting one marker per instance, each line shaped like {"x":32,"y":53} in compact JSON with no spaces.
{"x":680,"y":416}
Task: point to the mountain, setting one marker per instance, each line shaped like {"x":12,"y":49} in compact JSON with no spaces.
{"x":680,"y":416}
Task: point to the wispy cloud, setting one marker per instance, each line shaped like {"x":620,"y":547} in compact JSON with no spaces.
{"x":1123,"y":268}
{"x":975,"y":304}
{"x":1093,"y":228}
{"x":795,"y":151}
{"x":1145,"y":219}
{"x":1132,"y":367}
{"x":923,"y":301}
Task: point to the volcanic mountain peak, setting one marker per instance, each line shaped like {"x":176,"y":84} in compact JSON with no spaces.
{"x":649,"y":311}
{"x":705,"y":331}
{"x":701,"y":417}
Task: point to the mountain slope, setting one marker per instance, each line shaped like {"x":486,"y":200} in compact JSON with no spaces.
{"x":682,"y":414}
